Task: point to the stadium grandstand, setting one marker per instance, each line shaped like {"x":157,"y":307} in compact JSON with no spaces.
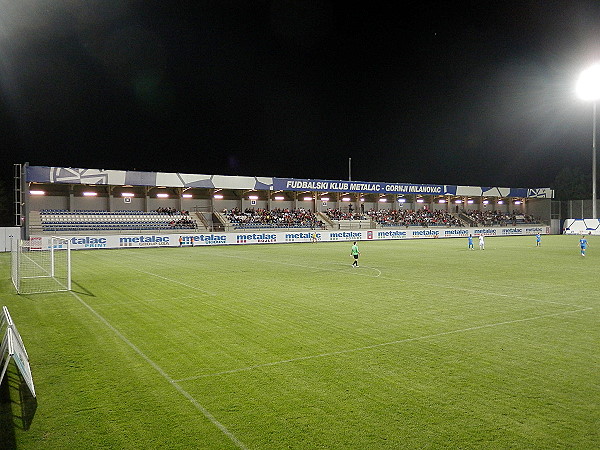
{"x":73,"y":201}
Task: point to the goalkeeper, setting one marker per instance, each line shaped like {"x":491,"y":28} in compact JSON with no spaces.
{"x":354,"y":252}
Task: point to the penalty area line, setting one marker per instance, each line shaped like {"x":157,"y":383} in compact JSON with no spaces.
{"x":166,"y":376}
{"x":383,"y":344}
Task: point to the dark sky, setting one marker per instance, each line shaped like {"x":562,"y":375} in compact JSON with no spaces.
{"x":450,"y":92}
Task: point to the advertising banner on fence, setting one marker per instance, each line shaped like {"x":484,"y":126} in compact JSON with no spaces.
{"x":282,"y":237}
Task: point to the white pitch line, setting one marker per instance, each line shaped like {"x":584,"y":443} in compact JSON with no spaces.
{"x":166,"y":376}
{"x":144,"y":300}
{"x":176,"y":282}
{"x":383,"y":344}
{"x":350,"y":269}
{"x":413,"y":281}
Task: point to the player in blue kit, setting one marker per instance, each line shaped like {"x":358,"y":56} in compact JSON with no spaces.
{"x":538,"y":240}
{"x":583,"y":243}
{"x":471,"y":242}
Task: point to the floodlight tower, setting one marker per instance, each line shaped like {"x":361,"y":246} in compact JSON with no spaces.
{"x":588,"y":88}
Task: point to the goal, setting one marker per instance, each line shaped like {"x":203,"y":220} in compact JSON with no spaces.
{"x":41,"y":265}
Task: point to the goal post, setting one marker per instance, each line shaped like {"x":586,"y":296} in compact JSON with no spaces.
{"x":41,"y":265}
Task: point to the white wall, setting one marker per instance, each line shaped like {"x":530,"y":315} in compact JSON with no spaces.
{"x":37,"y":203}
{"x":6,"y":235}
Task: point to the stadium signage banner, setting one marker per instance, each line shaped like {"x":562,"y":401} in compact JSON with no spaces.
{"x":582,"y":226}
{"x":292,"y":184}
{"x":70,"y":175}
{"x":281,"y":237}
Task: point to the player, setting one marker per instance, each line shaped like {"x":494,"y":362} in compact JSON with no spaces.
{"x":481,"y":242}
{"x":313,"y":237}
{"x":538,"y":240}
{"x":354,"y":252}
{"x":583,"y":243}
{"x":471,"y":242}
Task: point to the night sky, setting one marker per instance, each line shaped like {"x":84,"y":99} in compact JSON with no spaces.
{"x":471,"y":93}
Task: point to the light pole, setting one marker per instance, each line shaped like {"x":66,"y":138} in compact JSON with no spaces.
{"x":588,"y":88}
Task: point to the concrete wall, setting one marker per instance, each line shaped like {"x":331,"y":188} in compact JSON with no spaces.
{"x":539,"y":208}
{"x":7,"y":234}
{"x":48,"y":202}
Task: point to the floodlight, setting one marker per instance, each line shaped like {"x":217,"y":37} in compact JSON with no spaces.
{"x":346,"y":199}
{"x":383,"y":199}
{"x":441,"y":200}
{"x":162,"y":195}
{"x":218,"y":196}
{"x":588,"y":88}
{"x":501,"y":202}
{"x":486,"y":202}
{"x":420,"y":200}
{"x":588,"y":85}
{"x":37,"y":193}
{"x":253,"y":197}
{"x":307,"y":199}
{"x":127,"y":194}
{"x":458,"y":202}
{"x":325,"y":199}
{"x":470,"y":202}
{"x":186,"y":195}
{"x":518,"y":202}
{"x":401,"y":200}
{"x":279,"y":197}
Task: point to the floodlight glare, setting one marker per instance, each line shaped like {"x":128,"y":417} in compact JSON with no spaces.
{"x":253,"y":197}
{"x":307,"y":199}
{"x":588,"y":85}
{"x":441,"y":200}
{"x":279,"y":197}
{"x":420,"y":200}
{"x":127,"y":194}
{"x":218,"y":196}
{"x":162,"y":195}
{"x":346,"y":199}
{"x":588,"y":88}
{"x":186,"y":195}
{"x":37,"y":193}
{"x":401,"y":200}
{"x":90,"y":194}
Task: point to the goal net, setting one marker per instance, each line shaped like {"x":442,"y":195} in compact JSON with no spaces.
{"x":41,"y":265}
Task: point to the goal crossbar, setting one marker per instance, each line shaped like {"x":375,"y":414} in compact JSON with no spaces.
{"x":41,"y":265}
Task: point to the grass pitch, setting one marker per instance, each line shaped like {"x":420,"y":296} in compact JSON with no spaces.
{"x":425,"y":345}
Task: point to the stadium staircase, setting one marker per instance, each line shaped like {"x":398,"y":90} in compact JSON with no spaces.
{"x":466,"y":220}
{"x":203,"y":221}
{"x":326,"y":220}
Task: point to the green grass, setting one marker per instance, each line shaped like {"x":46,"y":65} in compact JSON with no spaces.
{"x":426,"y":345}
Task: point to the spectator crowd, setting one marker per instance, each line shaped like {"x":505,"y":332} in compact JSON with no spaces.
{"x":279,"y":217}
{"x":172,"y":211}
{"x":498,"y":218}
{"x":420,"y":217}
{"x":338,"y":214}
